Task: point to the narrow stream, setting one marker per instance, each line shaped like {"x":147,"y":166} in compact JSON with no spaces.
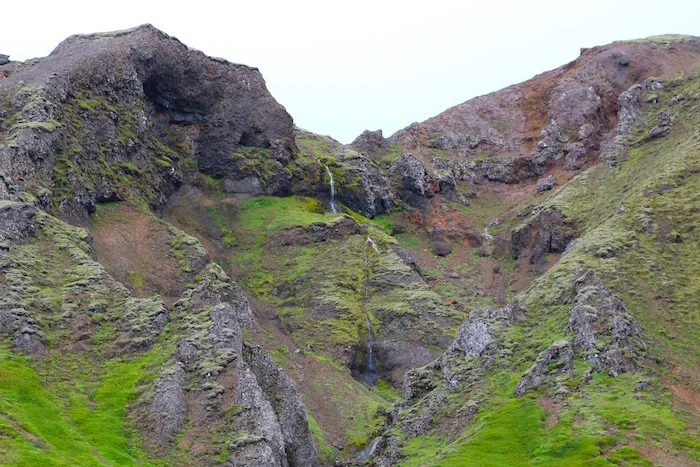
{"x":370,"y":374}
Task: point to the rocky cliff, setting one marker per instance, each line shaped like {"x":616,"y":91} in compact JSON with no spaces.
{"x":187,"y":277}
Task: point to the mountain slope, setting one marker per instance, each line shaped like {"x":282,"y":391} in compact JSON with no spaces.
{"x":599,"y":362}
{"x":189,"y":278}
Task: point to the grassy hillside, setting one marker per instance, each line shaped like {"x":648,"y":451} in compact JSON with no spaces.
{"x":640,"y":233}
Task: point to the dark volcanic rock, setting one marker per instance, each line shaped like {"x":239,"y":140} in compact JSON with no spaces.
{"x":547,"y":232}
{"x":438,"y":243}
{"x":106,"y":114}
{"x":371,"y":143}
{"x":365,"y":190}
{"x":412,"y":182}
{"x":4,"y":59}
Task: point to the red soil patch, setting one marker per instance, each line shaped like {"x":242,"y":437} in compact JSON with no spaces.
{"x":133,"y":248}
{"x":552,"y":409}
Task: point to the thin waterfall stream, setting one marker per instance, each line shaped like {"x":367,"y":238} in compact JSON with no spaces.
{"x":330,"y":176}
{"x":370,"y":375}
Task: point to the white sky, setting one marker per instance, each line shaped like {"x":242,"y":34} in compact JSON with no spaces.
{"x":340,"y":67}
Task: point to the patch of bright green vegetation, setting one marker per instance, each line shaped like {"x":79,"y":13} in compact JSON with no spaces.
{"x":136,"y":280}
{"x":325,"y":451}
{"x":43,"y":426}
{"x":266,"y":213}
{"x":383,"y":221}
{"x":279,"y":354}
{"x":387,"y":159}
{"x":386,"y":390}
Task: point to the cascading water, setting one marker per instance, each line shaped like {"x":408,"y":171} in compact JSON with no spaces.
{"x":370,"y":374}
{"x":374,"y":246}
{"x":330,"y":175}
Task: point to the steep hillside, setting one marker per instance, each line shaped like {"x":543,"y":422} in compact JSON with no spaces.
{"x":597,"y":359}
{"x":188,"y":278}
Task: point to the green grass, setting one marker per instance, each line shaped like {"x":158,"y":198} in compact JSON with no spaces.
{"x":267,"y":213}
{"x":325,"y":451}
{"x":42,"y":427}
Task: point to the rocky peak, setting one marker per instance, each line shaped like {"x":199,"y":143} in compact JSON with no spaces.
{"x":560,"y":117}
{"x":371,"y":143}
{"x":97,"y":102}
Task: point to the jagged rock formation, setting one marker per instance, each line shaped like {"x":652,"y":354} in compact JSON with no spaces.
{"x":597,"y":312}
{"x":479,"y":346}
{"x":223,"y":383}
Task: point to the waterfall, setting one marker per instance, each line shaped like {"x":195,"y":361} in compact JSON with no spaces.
{"x":330,"y":175}
{"x":370,"y":376}
{"x":374,"y":246}
{"x":369,"y":450}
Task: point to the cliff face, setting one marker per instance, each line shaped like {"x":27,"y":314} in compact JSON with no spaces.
{"x":81,"y":126}
{"x":189,"y":278}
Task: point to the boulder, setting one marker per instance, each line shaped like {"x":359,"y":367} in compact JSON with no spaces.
{"x":546,"y":184}
{"x":439,"y":245}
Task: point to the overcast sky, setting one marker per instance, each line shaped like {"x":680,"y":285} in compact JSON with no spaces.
{"x":340,"y":67}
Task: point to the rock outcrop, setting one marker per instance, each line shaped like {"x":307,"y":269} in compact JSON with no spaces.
{"x":547,"y":231}
{"x":365,"y":189}
{"x":88,"y":123}
{"x":478,"y":347}
{"x":411,"y":180}
{"x":561,"y":117}
{"x":371,"y":143}
{"x":554,"y":360}
{"x":226,"y":384}
{"x":604,"y":332}
{"x":439,"y":245}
